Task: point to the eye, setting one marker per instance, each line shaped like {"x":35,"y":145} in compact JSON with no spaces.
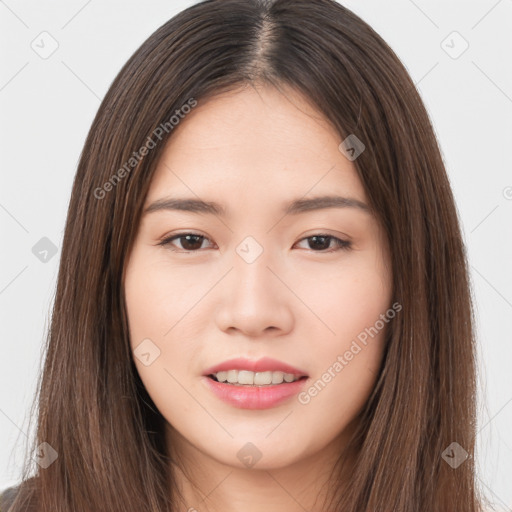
{"x":192,"y":242}
{"x":322,"y":242}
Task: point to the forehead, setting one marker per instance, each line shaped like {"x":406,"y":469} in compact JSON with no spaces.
{"x":254,"y":144}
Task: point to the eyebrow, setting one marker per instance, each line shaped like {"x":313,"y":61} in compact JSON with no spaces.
{"x":294,"y":207}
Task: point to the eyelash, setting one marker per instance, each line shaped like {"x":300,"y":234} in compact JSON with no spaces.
{"x":341,"y":244}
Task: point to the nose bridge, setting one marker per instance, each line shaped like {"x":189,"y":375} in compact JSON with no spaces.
{"x":255,"y":298}
{"x":253,"y":276}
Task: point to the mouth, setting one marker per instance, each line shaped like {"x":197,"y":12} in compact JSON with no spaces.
{"x":261,"y":384}
{"x":247,"y":372}
{"x":259,"y":379}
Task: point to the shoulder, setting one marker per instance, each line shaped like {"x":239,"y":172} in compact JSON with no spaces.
{"x":28,"y":491}
{"x":7,"y":497}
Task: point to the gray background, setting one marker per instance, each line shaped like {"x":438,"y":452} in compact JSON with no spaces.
{"x":47,"y":106}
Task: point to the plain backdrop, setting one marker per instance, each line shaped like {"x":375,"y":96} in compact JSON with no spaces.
{"x":457,"y":54}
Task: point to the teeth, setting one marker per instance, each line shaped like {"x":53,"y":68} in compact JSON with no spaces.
{"x":277,"y":377}
{"x":249,"y":378}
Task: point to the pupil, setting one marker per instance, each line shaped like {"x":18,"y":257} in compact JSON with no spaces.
{"x":187,"y":238}
{"x":319,"y":246}
{"x":315,"y":242}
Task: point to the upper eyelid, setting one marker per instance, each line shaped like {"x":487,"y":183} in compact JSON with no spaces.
{"x":318,"y":233}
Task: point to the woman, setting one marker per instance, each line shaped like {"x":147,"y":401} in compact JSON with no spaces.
{"x":263,"y":296}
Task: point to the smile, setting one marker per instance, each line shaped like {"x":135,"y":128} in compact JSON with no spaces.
{"x":249,"y":378}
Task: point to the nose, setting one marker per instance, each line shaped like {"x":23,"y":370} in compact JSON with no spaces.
{"x":255,"y":300}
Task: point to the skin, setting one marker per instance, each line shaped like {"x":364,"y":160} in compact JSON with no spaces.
{"x":253,"y":150}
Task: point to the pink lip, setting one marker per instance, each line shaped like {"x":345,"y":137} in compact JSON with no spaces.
{"x":254,"y":397}
{"x":266,"y":364}
{"x":257,"y":397}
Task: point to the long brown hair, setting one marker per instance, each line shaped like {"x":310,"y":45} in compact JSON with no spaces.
{"x":93,"y":409}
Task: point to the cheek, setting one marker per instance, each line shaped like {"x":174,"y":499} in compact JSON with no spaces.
{"x":346,"y":370}
{"x":154,"y":305}
{"x":155,"y":298}
{"x":159,"y":305}
{"x":348,"y":299}
{"x":355,"y":305}
{"x":145,"y":308}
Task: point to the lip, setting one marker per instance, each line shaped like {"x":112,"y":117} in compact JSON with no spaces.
{"x":264,"y":364}
{"x":254,"y":397}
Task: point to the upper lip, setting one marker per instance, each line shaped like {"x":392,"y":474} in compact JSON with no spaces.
{"x":264,"y":364}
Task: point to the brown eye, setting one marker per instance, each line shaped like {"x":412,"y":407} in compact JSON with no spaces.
{"x":322,"y":243}
{"x":190,"y":242}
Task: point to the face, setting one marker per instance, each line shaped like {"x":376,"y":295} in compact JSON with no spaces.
{"x":288,"y":290}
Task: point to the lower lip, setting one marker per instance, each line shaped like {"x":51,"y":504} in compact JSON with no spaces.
{"x":254,"y":397}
